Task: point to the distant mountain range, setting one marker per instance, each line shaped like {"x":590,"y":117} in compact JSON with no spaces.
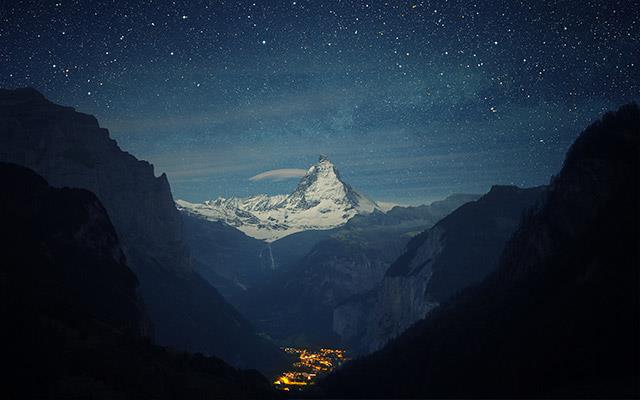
{"x":289,"y":285}
{"x":321,"y":244}
{"x":322,"y":200}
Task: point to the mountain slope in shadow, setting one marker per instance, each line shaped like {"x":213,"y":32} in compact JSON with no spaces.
{"x":457,"y":252}
{"x":70,"y":149}
{"x":73,"y":323}
{"x":561,"y":315}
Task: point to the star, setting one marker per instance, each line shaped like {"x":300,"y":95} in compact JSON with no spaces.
{"x":345,"y":75}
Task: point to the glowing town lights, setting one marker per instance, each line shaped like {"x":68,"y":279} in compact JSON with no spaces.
{"x":308,"y":366}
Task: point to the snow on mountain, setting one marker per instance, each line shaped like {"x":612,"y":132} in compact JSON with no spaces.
{"x":320,"y":201}
{"x":387,"y":205}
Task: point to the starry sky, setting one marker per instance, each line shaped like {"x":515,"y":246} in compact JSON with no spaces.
{"x":411,"y":100}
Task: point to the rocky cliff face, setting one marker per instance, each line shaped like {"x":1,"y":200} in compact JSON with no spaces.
{"x":356,"y":256}
{"x":457,"y":252}
{"x":230,"y":260}
{"x":61,"y":253}
{"x":334,"y":270}
{"x":392,"y":305}
{"x":72,"y":317}
{"x":70,"y":149}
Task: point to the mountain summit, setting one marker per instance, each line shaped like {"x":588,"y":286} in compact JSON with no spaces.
{"x":322,"y":186}
{"x":322,"y":200}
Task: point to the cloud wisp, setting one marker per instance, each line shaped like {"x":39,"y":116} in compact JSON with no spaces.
{"x":279,"y":174}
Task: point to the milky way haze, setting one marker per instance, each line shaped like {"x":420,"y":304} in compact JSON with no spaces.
{"x":411,"y":100}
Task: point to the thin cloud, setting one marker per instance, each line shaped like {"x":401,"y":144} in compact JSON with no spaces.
{"x":279,"y":174}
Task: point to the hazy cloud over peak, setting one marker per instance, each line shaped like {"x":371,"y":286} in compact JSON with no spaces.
{"x":279,"y":174}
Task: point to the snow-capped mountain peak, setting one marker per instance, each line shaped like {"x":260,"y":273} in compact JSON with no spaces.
{"x":322,"y":183}
{"x":322,"y":200}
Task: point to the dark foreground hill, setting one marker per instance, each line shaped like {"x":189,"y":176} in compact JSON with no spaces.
{"x":72,"y":319}
{"x":561,"y":315}
{"x":69,"y":148}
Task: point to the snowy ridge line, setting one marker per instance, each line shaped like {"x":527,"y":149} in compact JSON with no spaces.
{"x":320,"y":201}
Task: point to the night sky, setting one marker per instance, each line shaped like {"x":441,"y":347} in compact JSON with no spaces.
{"x":412,"y":100}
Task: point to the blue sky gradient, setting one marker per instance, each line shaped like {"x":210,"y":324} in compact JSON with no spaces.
{"x":411,"y":100}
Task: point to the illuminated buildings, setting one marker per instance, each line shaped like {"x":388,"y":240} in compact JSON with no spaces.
{"x":308,"y":366}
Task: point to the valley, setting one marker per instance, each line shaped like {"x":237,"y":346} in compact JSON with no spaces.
{"x":289,"y":288}
{"x":113,"y":284}
{"x":277,"y":200}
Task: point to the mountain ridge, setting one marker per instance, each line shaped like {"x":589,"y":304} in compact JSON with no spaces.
{"x":559,"y":317}
{"x":458,"y":251}
{"x":69,"y":148}
{"x":321,"y":200}
{"x":75,"y":322}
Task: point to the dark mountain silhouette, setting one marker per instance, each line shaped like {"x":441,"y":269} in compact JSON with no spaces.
{"x":458,"y":251}
{"x":476,"y":232}
{"x":70,"y":149}
{"x":561,"y":315}
{"x":73,"y":326}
